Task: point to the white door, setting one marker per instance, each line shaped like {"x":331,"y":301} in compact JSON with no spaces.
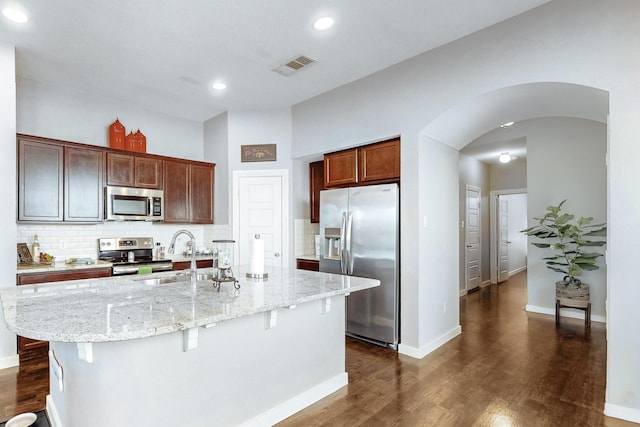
{"x":503,"y":239}
{"x":261,"y":208}
{"x":472,"y":238}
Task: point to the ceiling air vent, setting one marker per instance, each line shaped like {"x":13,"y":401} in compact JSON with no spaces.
{"x":296,"y":64}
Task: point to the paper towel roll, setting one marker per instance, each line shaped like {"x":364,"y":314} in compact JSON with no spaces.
{"x":256,"y":256}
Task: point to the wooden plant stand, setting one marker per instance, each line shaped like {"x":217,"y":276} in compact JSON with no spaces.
{"x":573,"y":296}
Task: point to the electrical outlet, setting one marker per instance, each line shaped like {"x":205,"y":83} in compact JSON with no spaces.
{"x":62,"y":244}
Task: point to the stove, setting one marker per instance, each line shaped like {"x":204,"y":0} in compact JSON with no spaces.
{"x":129,"y":254}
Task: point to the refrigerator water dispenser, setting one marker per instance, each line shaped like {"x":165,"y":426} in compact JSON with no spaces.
{"x":332,"y":243}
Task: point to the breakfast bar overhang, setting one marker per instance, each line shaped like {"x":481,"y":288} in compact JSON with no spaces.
{"x":148,"y":350}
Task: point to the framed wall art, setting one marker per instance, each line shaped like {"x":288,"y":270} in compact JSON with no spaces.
{"x":258,"y":153}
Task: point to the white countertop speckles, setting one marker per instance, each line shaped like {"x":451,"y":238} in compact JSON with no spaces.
{"x":122,"y":308}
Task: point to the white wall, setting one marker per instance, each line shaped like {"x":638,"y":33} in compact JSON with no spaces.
{"x":581,"y":42}
{"x":8,"y":355}
{"x":216,"y":150}
{"x":61,"y":113}
{"x":508,"y":176}
{"x":566,"y":160}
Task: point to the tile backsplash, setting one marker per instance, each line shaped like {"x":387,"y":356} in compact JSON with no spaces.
{"x":305,"y":232}
{"x":81,"y":241}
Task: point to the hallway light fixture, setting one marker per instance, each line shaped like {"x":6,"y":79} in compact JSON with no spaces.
{"x":505,"y":158}
{"x":322,"y":24}
{"x":506,"y":125}
{"x":15,"y":15}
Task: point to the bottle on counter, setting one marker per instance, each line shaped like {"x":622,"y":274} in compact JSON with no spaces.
{"x":35,"y":249}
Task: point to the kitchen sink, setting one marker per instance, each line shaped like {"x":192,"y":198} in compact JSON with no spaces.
{"x":179,"y":277}
{"x":158,"y":280}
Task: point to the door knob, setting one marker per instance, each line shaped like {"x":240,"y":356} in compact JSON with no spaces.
{"x":276,"y":254}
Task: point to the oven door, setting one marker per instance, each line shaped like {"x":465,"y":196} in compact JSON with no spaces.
{"x":133,"y":204}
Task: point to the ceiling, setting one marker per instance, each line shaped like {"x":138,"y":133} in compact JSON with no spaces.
{"x":164,"y":55}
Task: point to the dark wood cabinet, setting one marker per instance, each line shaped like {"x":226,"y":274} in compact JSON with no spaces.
{"x":148,"y":172}
{"x":83,"y":194}
{"x":373,"y":163}
{"x":61,"y":181}
{"x":134,"y":171}
{"x":188,"y":192}
{"x":341,"y":168}
{"x":40,"y":181}
{"x":379,"y":162}
{"x":307,"y":264}
{"x":200,"y":263}
{"x":316,"y":184}
{"x":201,"y":181}
{"x":176,"y":191}
{"x":120,"y":170}
{"x":25,"y":344}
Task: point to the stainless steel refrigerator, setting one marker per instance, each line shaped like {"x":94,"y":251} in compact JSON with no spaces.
{"x":359,"y":234}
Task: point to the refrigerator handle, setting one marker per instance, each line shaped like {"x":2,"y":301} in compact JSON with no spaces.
{"x":348,"y":244}
{"x":343,"y":250}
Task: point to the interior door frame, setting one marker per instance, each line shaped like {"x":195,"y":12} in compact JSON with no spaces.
{"x":284,"y":175}
{"x":466,"y":225}
{"x":493,"y":229}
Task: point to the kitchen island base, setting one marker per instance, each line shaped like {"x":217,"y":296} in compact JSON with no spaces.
{"x":253,"y":370}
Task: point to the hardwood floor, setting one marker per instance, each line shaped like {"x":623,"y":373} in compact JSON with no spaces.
{"x":508,"y":368}
{"x":25,"y":388}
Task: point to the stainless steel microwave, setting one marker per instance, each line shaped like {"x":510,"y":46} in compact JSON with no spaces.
{"x":133,"y":204}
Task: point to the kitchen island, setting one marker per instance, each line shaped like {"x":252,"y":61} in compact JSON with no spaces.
{"x":152,"y":350}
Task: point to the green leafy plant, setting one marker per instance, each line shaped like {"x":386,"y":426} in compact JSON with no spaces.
{"x":573,"y":242}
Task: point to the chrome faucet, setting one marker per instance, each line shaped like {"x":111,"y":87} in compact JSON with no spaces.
{"x":172,"y":248}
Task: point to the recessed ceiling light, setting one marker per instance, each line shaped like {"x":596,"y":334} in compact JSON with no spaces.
{"x":219,"y":86}
{"x":504,"y":158}
{"x":506,"y":125}
{"x":15,"y":15}
{"x":323,"y":23}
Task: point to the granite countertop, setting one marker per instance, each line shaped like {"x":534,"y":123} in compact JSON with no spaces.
{"x":60,"y":266}
{"x":309,"y":257}
{"x":125,"y":307}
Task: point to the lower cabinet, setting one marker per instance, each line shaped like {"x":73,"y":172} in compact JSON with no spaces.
{"x":27,"y":344}
{"x":184,"y":265}
{"x":307,"y":264}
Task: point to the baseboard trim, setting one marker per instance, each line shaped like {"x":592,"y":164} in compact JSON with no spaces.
{"x":419,"y":353}
{"x":485,"y":284}
{"x":622,"y":412}
{"x":463,"y":292}
{"x":518,"y":270}
{"x":9,"y":361}
{"x":566,"y":312}
{"x":52,"y":412}
{"x":299,"y":402}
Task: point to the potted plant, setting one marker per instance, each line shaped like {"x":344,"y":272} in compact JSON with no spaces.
{"x":573,"y":242}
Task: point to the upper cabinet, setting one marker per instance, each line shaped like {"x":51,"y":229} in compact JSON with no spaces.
{"x":134,"y":171}
{"x":188,"y":192}
{"x":341,"y":168}
{"x":368,"y":164}
{"x":316,"y":184}
{"x":61,"y":181}
{"x":40,"y":181}
{"x":58,"y":182}
{"x":379,"y":162}
{"x":83,"y":185}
